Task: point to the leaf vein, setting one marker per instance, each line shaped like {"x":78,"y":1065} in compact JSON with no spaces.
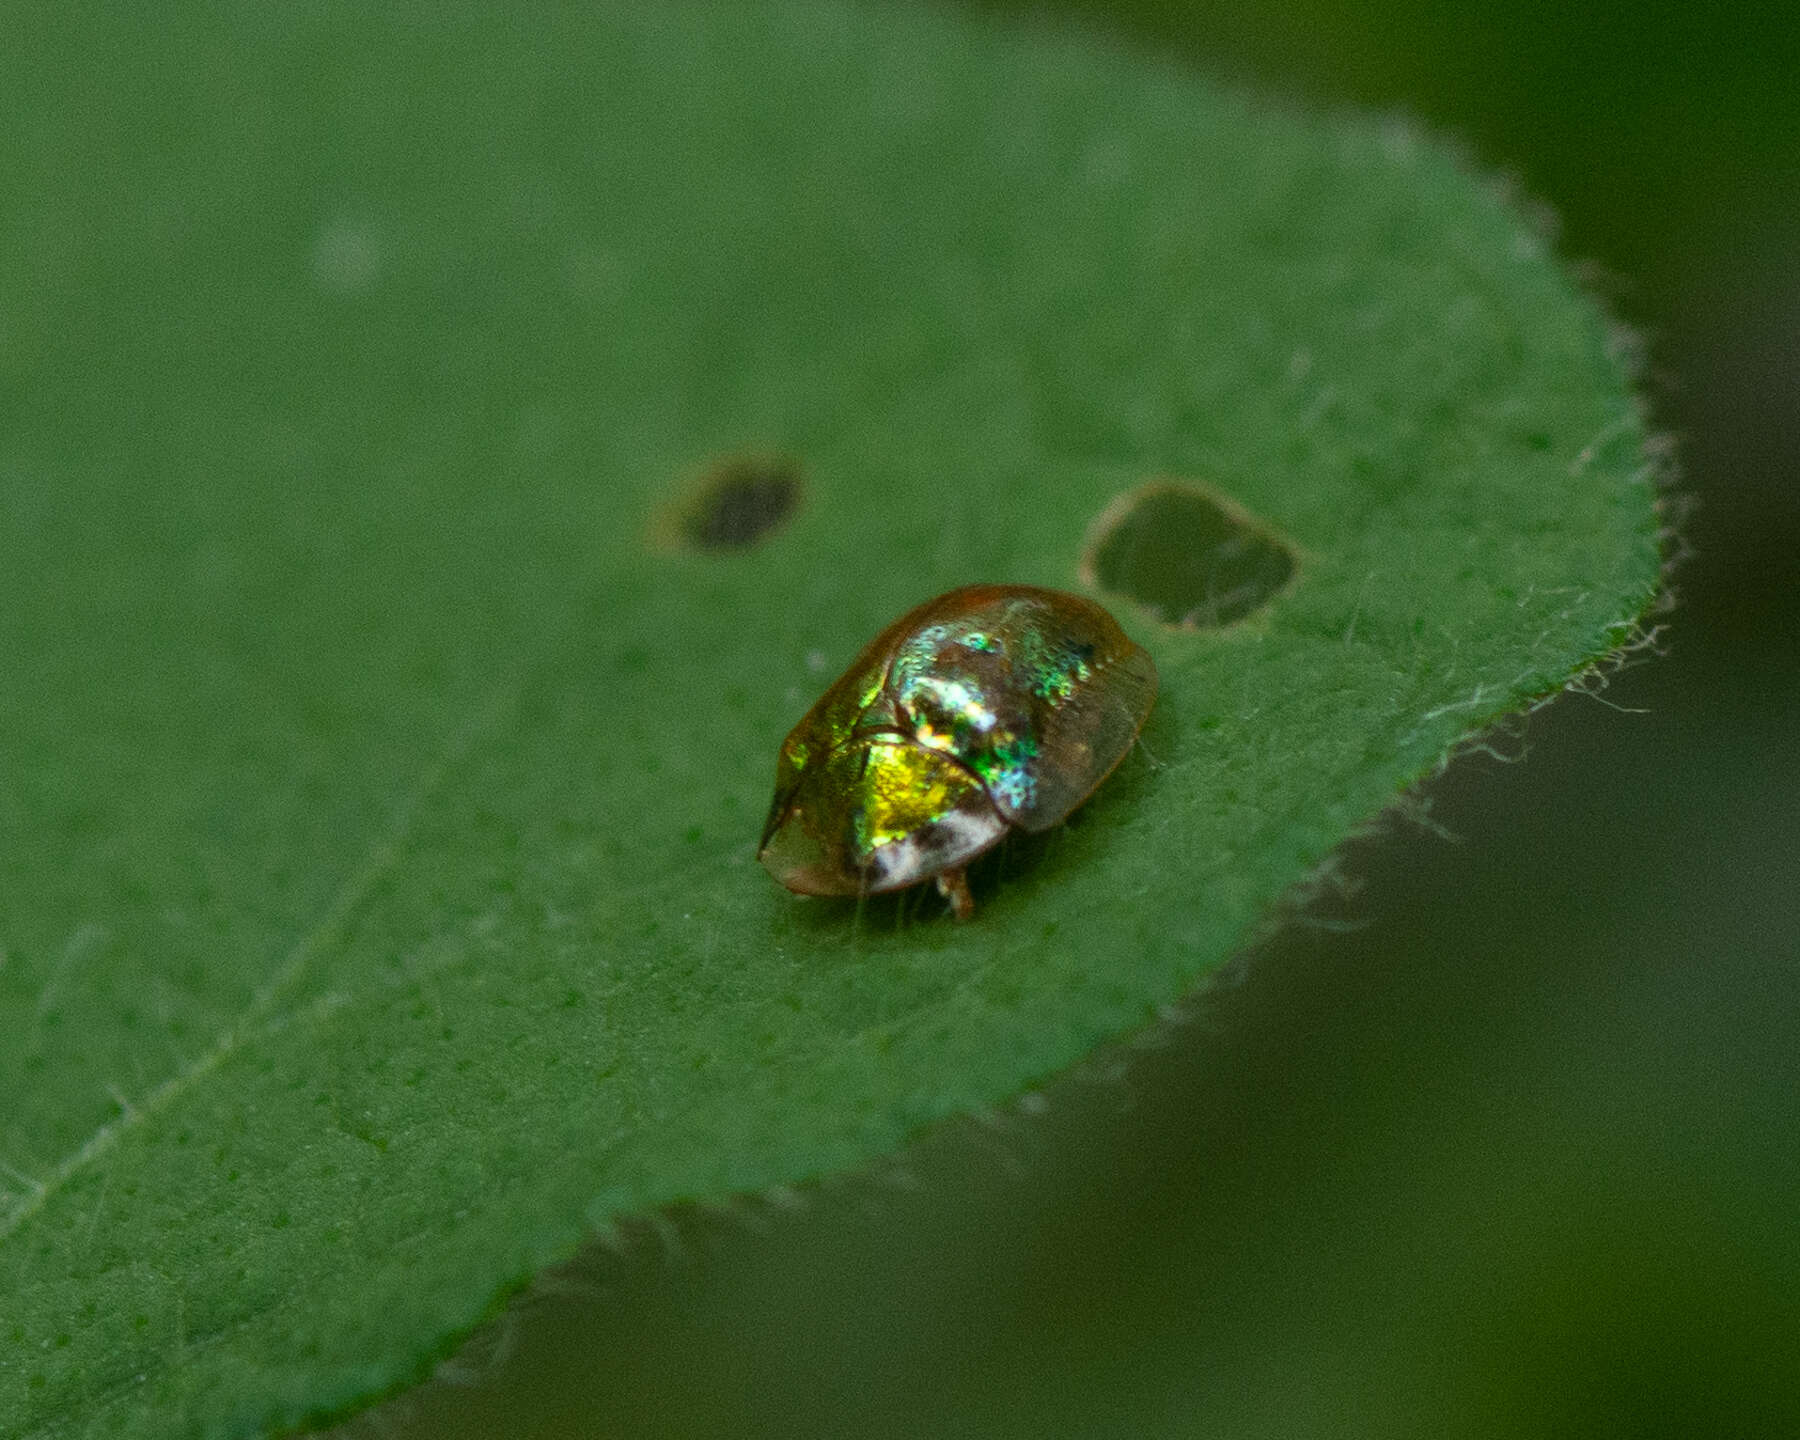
{"x":383,"y":856}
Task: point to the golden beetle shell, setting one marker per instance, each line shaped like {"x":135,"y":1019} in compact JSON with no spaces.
{"x":988,"y":708}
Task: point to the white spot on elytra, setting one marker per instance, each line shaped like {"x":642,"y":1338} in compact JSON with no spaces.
{"x":346,"y":257}
{"x":908,"y":860}
{"x":816,"y":661}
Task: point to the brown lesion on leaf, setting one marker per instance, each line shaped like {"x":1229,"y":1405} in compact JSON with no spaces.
{"x":1192,"y":557}
{"x":736,"y":502}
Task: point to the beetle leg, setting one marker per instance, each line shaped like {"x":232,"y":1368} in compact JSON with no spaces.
{"x":953,"y":885}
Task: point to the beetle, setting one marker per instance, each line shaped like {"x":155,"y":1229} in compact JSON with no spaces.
{"x":987,"y":709}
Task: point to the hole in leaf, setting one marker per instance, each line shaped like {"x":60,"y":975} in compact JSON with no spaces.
{"x":1190,"y":557}
{"x":739,"y":501}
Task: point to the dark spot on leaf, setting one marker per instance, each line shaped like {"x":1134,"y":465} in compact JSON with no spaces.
{"x":739,"y":501}
{"x":1190,"y":557}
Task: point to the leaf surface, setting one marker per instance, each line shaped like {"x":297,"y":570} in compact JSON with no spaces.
{"x":378,"y":789}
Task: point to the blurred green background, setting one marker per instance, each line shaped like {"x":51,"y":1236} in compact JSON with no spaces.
{"x":1504,"y":1140}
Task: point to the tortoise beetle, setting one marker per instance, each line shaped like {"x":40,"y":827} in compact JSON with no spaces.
{"x":990,"y":708}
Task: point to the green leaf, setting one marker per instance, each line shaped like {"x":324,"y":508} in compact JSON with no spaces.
{"x":378,"y":787}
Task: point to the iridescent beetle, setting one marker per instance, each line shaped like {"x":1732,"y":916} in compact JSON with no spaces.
{"x":991,"y":707}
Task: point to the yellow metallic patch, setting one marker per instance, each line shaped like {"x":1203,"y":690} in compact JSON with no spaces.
{"x":906,"y":787}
